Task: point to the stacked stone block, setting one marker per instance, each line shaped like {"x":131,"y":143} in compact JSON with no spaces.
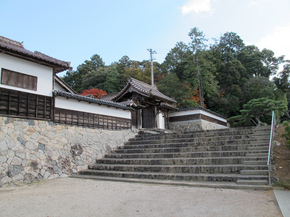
{"x":33,"y":150}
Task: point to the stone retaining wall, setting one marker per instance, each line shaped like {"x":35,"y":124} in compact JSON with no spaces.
{"x":194,"y":125}
{"x":32,"y":150}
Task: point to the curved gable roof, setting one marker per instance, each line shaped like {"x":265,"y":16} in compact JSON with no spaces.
{"x":143,"y":89}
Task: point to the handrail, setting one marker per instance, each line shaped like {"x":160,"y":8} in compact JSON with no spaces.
{"x":273,"y":124}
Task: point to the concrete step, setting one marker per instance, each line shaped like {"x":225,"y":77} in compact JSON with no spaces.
{"x":229,"y":168}
{"x":179,"y":154}
{"x":225,"y":185}
{"x":185,"y":161}
{"x":254,"y":172}
{"x":252,"y":182}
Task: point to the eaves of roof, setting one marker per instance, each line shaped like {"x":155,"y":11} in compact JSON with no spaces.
{"x":168,"y":106}
{"x":64,"y":84}
{"x":90,"y":100}
{"x":16,"y":48}
{"x":143,"y":89}
{"x":151,"y":90}
{"x":200,"y":108}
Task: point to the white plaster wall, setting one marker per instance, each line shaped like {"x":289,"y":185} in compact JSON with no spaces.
{"x":197,"y":111}
{"x":44,"y":74}
{"x":71,"y":104}
{"x":160,"y":121}
{"x":58,"y":87}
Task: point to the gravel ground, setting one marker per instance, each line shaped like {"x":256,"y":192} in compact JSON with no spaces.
{"x":77,"y":197}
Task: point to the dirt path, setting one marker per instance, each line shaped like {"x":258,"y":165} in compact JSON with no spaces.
{"x":76,"y":197}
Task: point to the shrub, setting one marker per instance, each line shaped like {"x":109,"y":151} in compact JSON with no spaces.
{"x":287,"y":133}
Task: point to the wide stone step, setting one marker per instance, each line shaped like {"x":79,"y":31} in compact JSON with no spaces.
{"x":256,"y":148}
{"x":229,"y":185}
{"x":186,"y":161}
{"x":174,"y":176}
{"x":192,"y":137}
{"x":185,"y":149}
{"x":228,"y":131}
{"x":235,"y":168}
{"x":252,"y":182}
{"x":195,"y":141}
{"x":257,"y":162}
{"x":203,"y":134}
{"x":254,"y":144}
{"x":254,"y":172}
{"x":259,"y":153}
{"x":180,"y":154}
{"x":198,"y":138}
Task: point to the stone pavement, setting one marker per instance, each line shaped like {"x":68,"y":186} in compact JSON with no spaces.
{"x":283,"y":199}
{"x":78,"y":197}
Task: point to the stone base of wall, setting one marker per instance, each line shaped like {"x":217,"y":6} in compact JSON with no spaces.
{"x":194,"y":125}
{"x":32,"y":150}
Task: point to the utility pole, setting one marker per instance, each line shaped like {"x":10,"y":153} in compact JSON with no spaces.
{"x":151,"y":59}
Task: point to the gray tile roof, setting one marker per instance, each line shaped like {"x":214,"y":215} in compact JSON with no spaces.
{"x":18,"y":49}
{"x":91,"y":100}
{"x":145,"y":89}
{"x":152,"y":90}
{"x":200,"y":108}
{"x":109,"y":96}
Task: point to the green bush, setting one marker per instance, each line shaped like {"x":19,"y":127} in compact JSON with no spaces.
{"x":287,"y":133}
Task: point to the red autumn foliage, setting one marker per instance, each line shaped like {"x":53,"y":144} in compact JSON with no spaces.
{"x":195,"y":96}
{"x":95,"y":92}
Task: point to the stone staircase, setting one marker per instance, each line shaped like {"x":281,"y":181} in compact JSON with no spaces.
{"x":227,"y":158}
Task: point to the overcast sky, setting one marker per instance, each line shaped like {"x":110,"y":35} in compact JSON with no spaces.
{"x":74,"y":30}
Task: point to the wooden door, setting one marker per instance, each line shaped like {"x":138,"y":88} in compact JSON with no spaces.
{"x":134,"y":115}
{"x":148,"y":117}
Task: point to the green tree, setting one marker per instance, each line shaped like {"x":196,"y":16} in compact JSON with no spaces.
{"x":271,"y":62}
{"x":230,"y":44}
{"x":171,"y":86}
{"x":140,"y":71}
{"x":95,"y":78}
{"x":255,"y":109}
{"x":175,"y":59}
{"x":112,"y":82}
{"x":75,"y":78}
{"x":252,"y":59}
{"x":282,"y":84}
{"x":258,"y":87}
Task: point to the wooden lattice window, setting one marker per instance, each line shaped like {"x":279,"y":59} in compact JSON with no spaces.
{"x":17,"y":79}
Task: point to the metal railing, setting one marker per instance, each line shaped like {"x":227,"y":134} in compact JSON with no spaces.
{"x":273,"y":125}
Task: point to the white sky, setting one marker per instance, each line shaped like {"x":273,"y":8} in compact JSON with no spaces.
{"x":75,"y":30}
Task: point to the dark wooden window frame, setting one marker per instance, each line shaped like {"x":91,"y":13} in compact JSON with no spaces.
{"x":22,"y":80}
{"x":20,"y":104}
{"x":90,"y":120}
